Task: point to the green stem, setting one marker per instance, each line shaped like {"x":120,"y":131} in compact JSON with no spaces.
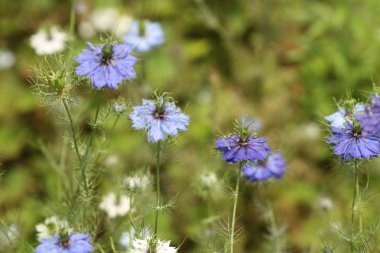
{"x":72,"y":130}
{"x":158,"y":158}
{"x":355,"y":207}
{"x":72,"y":19}
{"x":236,"y":194}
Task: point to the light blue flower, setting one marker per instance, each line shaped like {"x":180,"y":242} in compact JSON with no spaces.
{"x":145,"y":35}
{"x":160,"y":118}
{"x":73,"y":243}
{"x":106,"y":65}
{"x":340,"y":118}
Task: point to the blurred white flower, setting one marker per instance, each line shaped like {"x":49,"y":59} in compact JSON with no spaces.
{"x":119,"y":106}
{"x":52,"y":226}
{"x":86,"y":29}
{"x":145,"y":245}
{"x":126,"y":237}
{"x":123,"y":25}
{"x":115,"y":205}
{"x":312,"y":131}
{"x":7,"y":59}
{"x":112,"y":160}
{"x":105,"y":19}
{"x":208,"y":179}
{"x":49,"y":41}
{"x":136,"y":183}
{"x":325,"y":203}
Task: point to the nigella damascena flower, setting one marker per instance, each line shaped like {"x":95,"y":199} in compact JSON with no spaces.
{"x":115,"y":205}
{"x":72,"y":243}
{"x":272,"y":167}
{"x":340,"y":117}
{"x":49,"y":41}
{"x":240,"y":148}
{"x":151,"y":245}
{"x":145,"y":35}
{"x":371,"y":117}
{"x":160,"y":118}
{"x":354,"y":142}
{"x":106,"y":65}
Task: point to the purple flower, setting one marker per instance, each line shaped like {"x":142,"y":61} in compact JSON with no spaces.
{"x":159,"y":118}
{"x":236,"y":149}
{"x":273,"y":166}
{"x":73,"y":243}
{"x":354,"y":142}
{"x":371,"y":118}
{"x":106,"y":65}
{"x":145,"y":35}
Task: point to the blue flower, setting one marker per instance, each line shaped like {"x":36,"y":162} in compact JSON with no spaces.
{"x":160,"y":118}
{"x":272,"y":167}
{"x":371,"y":118}
{"x":145,"y":35}
{"x":354,"y":142}
{"x":340,"y":117}
{"x":73,"y":243}
{"x":236,"y":148}
{"x":106,"y":65}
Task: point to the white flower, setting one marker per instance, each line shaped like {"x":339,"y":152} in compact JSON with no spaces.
{"x":49,"y":41}
{"x":119,"y":106}
{"x":115,"y":206}
{"x":143,"y":246}
{"x":7,"y":59}
{"x":136,"y":183}
{"x":123,"y":25}
{"x":86,"y":29}
{"x":208,"y":179}
{"x":312,"y":131}
{"x":326,"y":203}
{"x":104,"y":19}
{"x":52,"y":226}
{"x":126,"y":237}
{"x":108,"y":20}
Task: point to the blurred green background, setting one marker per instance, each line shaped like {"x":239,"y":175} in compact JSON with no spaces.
{"x":282,"y":62}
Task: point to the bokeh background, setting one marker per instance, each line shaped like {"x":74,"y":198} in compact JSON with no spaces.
{"x":279,"y":62}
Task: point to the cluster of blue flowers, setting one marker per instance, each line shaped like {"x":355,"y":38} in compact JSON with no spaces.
{"x":355,"y":130}
{"x":258,"y":163}
{"x":72,"y":243}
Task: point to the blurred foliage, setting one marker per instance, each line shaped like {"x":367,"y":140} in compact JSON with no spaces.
{"x":280,"y":61}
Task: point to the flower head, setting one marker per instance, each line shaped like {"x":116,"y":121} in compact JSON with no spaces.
{"x":136,"y":183}
{"x":72,"y":243}
{"x":106,"y":65}
{"x":272,"y":167}
{"x":240,"y":148}
{"x":151,"y":245}
{"x":7,"y":59}
{"x":145,"y":35}
{"x":49,"y":41}
{"x":52,"y":226}
{"x":160,"y":118}
{"x":371,"y":117}
{"x":354,"y":142}
{"x":115,"y":206}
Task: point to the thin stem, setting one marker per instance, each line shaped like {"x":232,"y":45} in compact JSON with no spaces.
{"x":158,"y":158}
{"x":75,"y":144}
{"x":72,"y":19}
{"x":236,"y":194}
{"x":355,"y":206}
{"x":72,"y":130}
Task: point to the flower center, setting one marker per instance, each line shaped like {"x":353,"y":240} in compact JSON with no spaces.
{"x":107,"y":51}
{"x":64,"y":241}
{"x":158,"y":115}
